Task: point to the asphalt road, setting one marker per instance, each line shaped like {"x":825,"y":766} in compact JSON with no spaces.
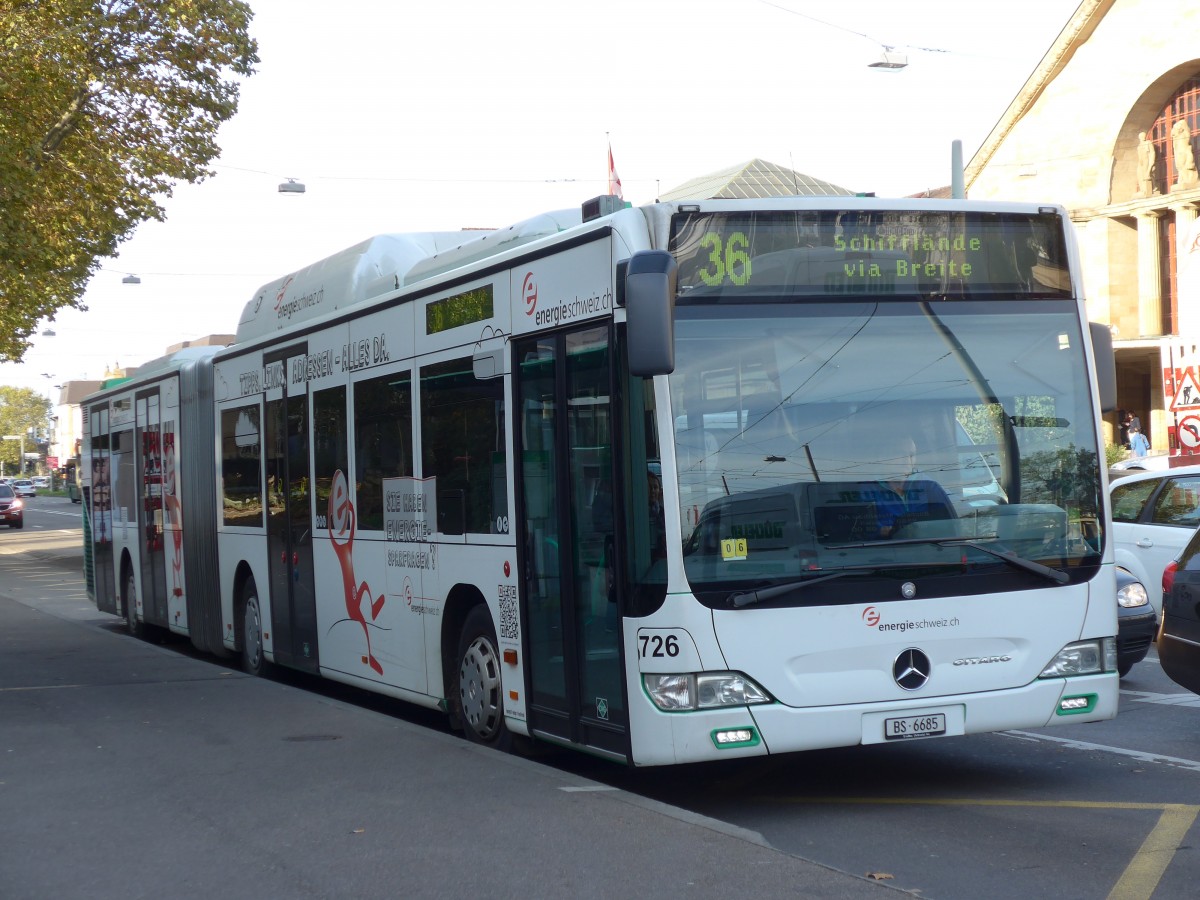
{"x":1088,"y":811}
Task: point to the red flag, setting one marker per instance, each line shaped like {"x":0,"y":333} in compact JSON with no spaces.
{"x":614,"y":180}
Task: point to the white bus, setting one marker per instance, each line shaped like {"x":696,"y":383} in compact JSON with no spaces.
{"x":675,"y":483}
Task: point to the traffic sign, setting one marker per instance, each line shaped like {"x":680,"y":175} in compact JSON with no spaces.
{"x":1189,"y":432}
{"x":1187,"y":394}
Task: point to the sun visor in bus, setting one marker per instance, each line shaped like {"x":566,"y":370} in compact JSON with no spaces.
{"x":488,"y":364}
{"x":650,"y":284}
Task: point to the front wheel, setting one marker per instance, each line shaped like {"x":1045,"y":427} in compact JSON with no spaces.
{"x":253,"y":659}
{"x":477,"y":696}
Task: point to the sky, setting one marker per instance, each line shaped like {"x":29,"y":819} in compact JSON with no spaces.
{"x":478,"y":114}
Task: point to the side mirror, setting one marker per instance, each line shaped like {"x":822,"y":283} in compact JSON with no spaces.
{"x":651,"y":281}
{"x":1106,"y":365}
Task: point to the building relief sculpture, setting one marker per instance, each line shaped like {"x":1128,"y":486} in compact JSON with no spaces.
{"x":1147,"y":166}
{"x":1185,"y":160}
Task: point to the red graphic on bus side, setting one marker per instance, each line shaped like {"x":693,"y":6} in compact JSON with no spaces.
{"x":282,"y":292}
{"x":341,"y":535}
{"x":529,"y":293}
{"x":173,"y":510}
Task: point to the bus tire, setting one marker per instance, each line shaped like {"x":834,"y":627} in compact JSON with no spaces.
{"x":477,"y":698}
{"x":129,"y":604}
{"x":254,"y":662}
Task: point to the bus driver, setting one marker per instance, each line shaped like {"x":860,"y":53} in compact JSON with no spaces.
{"x":906,"y":497}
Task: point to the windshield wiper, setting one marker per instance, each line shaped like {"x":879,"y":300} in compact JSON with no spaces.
{"x":1058,"y":576}
{"x":762,"y":595}
{"x":749,"y":598}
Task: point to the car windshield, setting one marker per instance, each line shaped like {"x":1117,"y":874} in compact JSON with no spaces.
{"x":6,"y":493}
{"x":866,"y":436}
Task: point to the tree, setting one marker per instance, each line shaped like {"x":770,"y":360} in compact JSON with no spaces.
{"x":104,"y":106}
{"x":20,"y":411}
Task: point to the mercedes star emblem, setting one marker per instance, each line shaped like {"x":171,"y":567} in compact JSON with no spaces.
{"x":911,"y":669}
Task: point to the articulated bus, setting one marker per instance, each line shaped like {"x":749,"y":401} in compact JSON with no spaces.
{"x":670,"y":484}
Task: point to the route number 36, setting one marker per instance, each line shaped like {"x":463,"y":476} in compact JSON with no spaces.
{"x":726,"y":259}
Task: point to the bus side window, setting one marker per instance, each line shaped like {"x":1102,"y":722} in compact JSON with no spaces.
{"x":329,"y":442}
{"x":241,"y":467}
{"x":382,"y":441}
{"x":462,"y":446}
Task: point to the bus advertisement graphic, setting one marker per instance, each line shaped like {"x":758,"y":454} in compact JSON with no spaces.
{"x":341,"y":536}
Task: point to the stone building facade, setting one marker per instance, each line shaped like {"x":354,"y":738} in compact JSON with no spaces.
{"x":1108,"y":125}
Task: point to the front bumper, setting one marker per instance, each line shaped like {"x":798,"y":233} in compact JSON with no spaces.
{"x":1134,"y":635}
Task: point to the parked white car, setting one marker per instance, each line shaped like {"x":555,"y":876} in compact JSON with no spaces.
{"x":1153,"y":463}
{"x":1155,"y":514}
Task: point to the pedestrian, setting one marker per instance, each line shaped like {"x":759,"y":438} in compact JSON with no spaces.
{"x":1137,"y":442}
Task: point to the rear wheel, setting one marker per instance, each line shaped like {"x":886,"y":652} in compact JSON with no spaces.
{"x":129,"y":603}
{"x":477,"y":698}
{"x":253,"y":660}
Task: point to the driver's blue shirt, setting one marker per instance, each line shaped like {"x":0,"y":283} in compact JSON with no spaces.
{"x":919,"y":498}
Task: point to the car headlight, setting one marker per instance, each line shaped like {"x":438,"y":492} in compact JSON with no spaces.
{"x":702,"y":690}
{"x":1133,"y":594}
{"x":1083,"y":658}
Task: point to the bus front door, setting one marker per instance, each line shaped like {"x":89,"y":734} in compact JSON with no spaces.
{"x":289,"y":517}
{"x":569,"y":598}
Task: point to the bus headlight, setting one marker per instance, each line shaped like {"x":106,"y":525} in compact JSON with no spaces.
{"x":702,"y":690}
{"x":1083,"y":658}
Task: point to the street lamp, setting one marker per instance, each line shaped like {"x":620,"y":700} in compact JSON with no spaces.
{"x":890,"y":60}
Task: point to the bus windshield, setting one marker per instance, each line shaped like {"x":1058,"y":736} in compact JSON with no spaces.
{"x":883,"y":439}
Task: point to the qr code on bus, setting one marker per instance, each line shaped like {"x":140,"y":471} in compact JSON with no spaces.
{"x":508,"y":612}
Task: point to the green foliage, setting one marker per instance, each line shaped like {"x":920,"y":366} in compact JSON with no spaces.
{"x":20,"y":410}
{"x":1114,"y":453}
{"x":1065,"y":478}
{"x":104,"y":106}
{"x":983,"y":422}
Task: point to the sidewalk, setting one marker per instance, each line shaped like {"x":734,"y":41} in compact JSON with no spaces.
{"x":130,"y":770}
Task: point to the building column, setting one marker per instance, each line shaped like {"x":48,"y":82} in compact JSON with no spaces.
{"x":1185,"y":277}
{"x":1185,"y":215}
{"x":1149,"y":275}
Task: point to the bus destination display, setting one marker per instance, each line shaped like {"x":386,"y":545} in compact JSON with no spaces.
{"x":823,"y":253}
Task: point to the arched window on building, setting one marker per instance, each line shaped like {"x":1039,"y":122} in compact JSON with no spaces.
{"x":1183,"y":106}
